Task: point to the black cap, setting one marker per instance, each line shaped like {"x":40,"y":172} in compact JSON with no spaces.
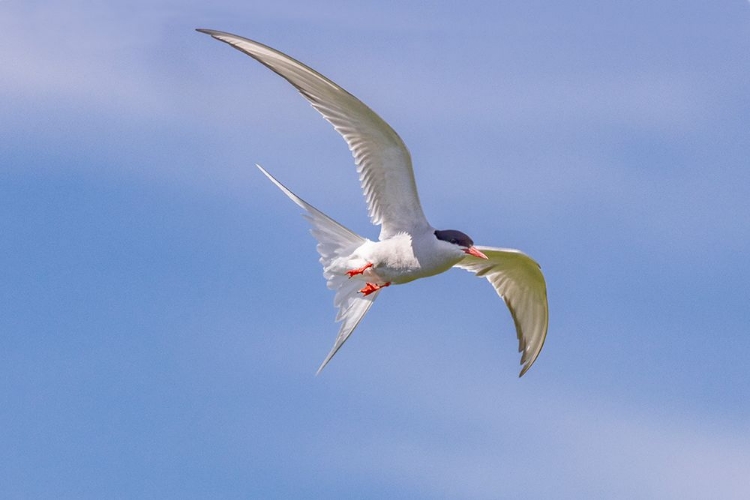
{"x":455,"y":237}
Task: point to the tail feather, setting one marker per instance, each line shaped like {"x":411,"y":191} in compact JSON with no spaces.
{"x":355,"y":311}
{"x":334,"y":240}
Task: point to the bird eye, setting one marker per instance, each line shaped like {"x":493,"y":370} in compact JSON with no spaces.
{"x":454,"y":241}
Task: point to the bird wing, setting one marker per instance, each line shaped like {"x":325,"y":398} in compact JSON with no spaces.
{"x":383,"y":162}
{"x":518,"y":280}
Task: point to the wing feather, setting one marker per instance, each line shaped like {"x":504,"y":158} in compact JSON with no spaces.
{"x":383,"y":161}
{"x":519,"y":281}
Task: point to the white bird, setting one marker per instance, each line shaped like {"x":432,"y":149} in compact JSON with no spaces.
{"x":409,"y":248}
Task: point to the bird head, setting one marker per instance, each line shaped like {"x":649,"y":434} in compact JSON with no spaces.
{"x":461,"y":240}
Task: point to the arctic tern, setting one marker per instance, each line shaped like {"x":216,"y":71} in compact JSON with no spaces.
{"x":408,"y":247}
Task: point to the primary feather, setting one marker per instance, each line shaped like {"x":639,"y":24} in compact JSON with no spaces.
{"x":383,"y":162}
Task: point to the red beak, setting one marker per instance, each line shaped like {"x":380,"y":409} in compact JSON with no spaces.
{"x":476,"y":253}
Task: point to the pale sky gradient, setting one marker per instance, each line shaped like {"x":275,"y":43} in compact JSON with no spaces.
{"x":163,"y":312}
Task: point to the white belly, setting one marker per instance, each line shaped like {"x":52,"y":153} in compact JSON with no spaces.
{"x":396,"y":260}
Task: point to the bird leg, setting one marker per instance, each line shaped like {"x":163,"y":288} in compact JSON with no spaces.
{"x":361,"y":270}
{"x":372,"y":287}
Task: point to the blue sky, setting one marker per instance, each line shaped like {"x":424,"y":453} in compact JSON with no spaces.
{"x":163,"y":312}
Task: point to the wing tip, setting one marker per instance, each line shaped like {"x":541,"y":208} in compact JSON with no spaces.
{"x":223,"y":36}
{"x":529,"y":357}
{"x":320,"y":369}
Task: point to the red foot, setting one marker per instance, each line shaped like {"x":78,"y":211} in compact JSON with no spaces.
{"x":361,"y":270}
{"x":372,"y":287}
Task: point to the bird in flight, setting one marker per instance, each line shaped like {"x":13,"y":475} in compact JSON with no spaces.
{"x":408,"y":247}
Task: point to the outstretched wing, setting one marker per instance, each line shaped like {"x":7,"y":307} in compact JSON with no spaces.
{"x":334,"y":240}
{"x":383,"y":162}
{"x":518,"y":280}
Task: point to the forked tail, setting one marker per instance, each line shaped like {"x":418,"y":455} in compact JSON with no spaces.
{"x":334,"y":240}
